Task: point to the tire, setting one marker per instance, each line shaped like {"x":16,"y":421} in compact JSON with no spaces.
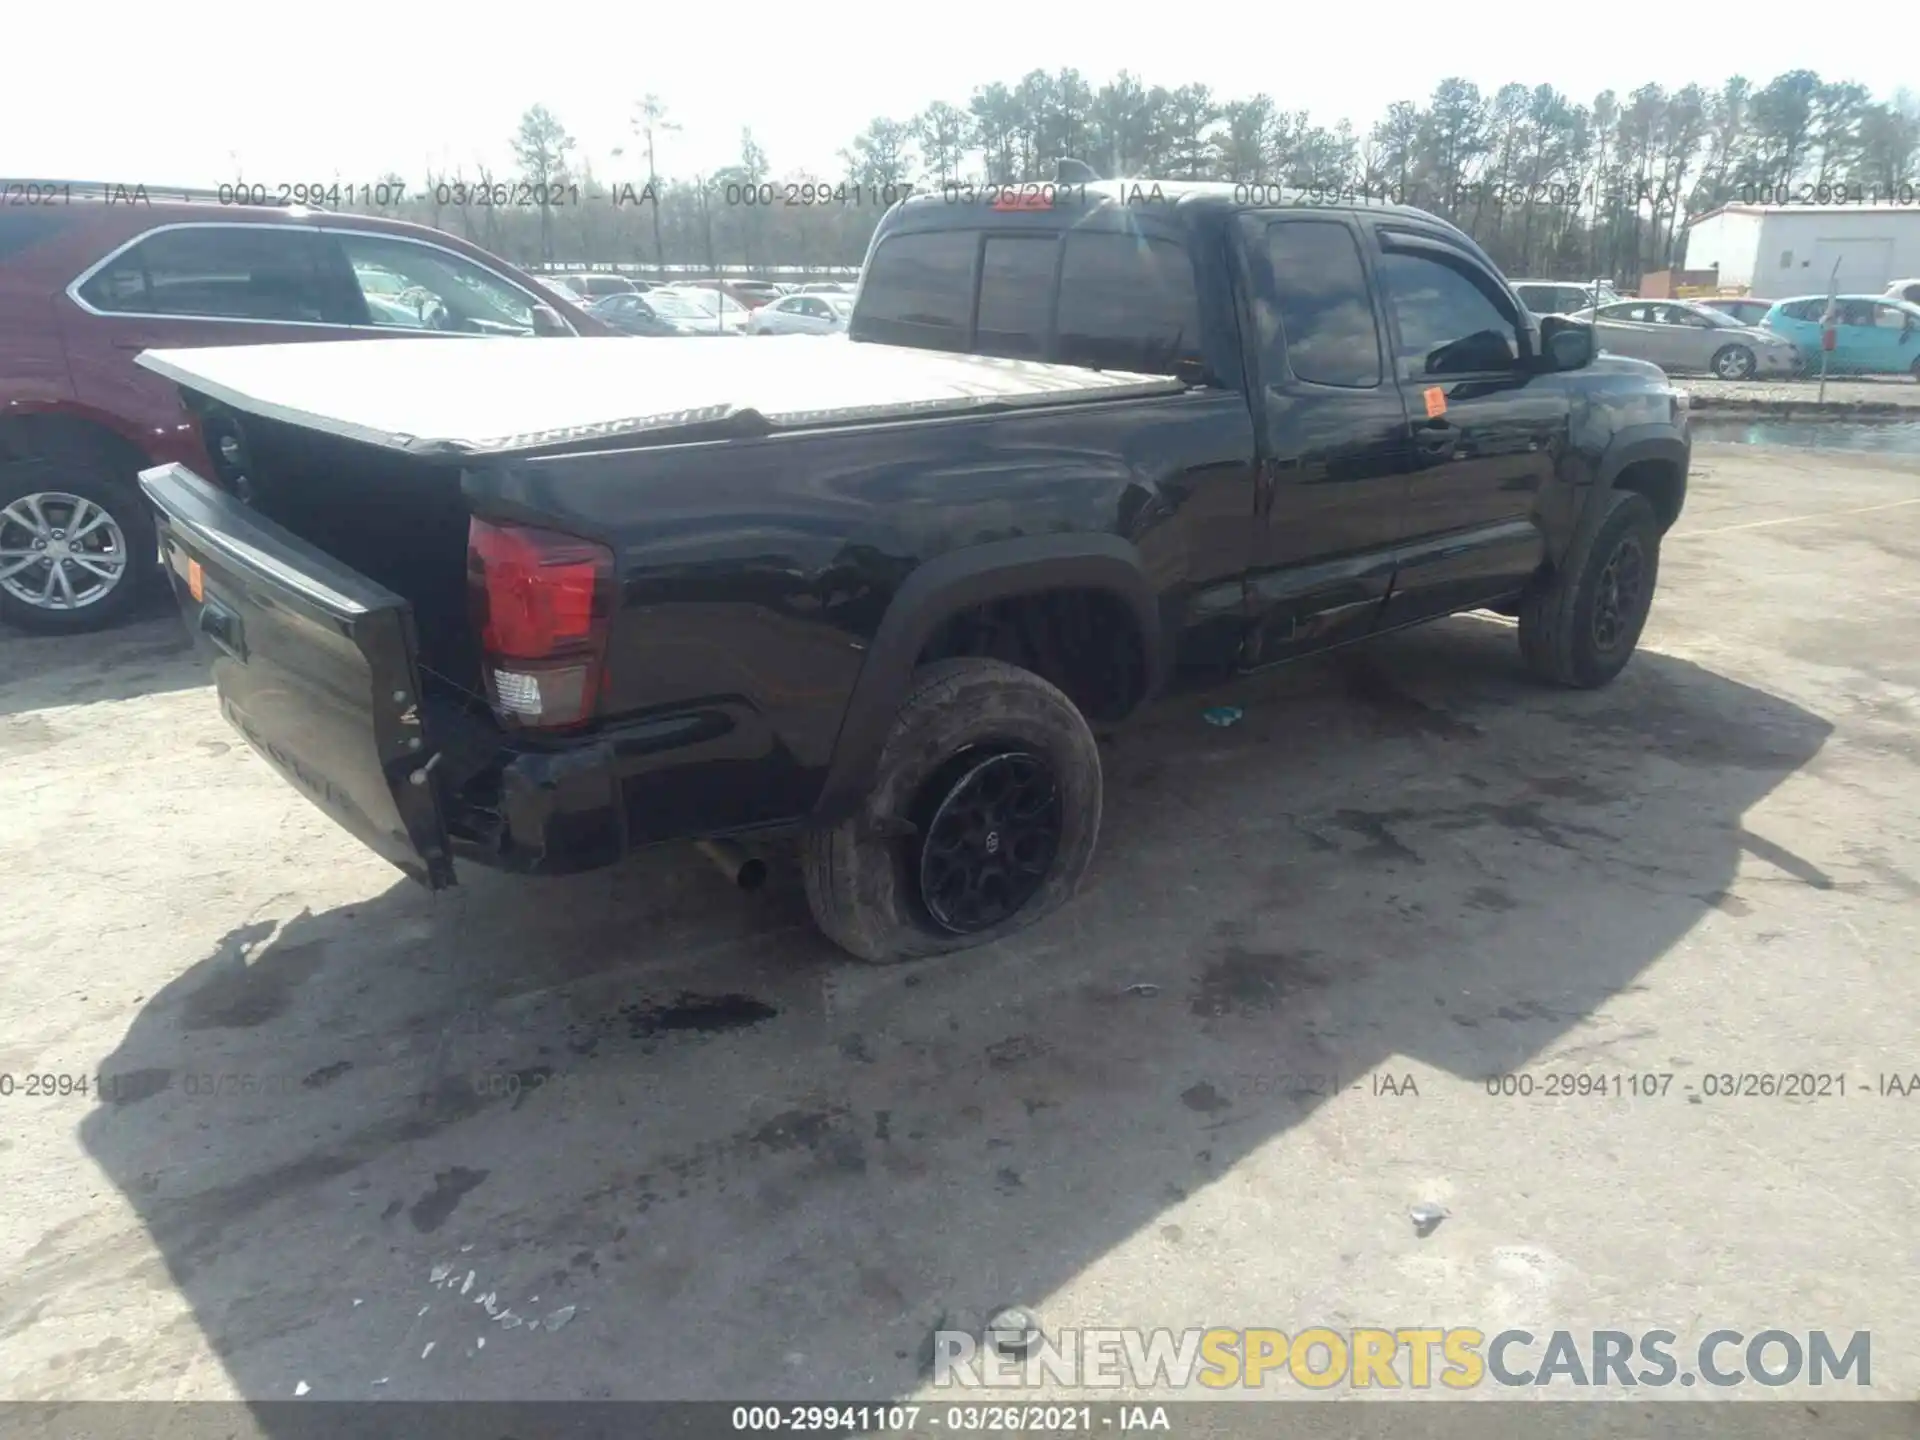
{"x":1733,"y":362}
{"x":965,"y":726}
{"x":1560,"y":640}
{"x":57,"y":489}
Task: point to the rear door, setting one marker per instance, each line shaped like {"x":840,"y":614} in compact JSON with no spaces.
{"x":1335,"y":443}
{"x":1488,"y":428}
{"x":1632,"y":329}
{"x":1894,"y":332}
{"x":1860,"y":346}
{"x":315,"y":667}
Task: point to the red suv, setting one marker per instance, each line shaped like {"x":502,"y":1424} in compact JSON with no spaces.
{"x":86,"y":285}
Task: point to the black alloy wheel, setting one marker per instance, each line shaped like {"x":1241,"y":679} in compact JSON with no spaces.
{"x":1620,"y":595}
{"x":988,"y":833}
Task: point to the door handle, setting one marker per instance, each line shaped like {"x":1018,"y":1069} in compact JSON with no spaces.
{"x":222,"y":627}
{"x":1435,"y":437}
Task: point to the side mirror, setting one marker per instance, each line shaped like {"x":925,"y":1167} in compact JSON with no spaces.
{"x":546,"y":321}
{"x":1565,"y":344}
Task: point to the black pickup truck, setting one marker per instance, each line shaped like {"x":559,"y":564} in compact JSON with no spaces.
{"x":534,"y":606}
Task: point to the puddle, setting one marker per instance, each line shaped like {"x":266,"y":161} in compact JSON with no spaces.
{"x":1884,"y":437}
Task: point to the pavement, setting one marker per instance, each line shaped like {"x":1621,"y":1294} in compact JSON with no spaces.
{"x":339,"y":1132}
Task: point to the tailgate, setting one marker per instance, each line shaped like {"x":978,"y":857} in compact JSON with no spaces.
{"x":315,"y":666}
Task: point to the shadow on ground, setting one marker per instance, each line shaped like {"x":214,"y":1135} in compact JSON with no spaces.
{"x":758,"y":1168}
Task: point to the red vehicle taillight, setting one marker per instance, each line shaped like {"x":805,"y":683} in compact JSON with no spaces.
{"x":540,"y":601}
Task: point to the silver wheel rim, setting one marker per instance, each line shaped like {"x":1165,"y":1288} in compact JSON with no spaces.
{"x":1733,"y":365}
{"x":60,"y":551}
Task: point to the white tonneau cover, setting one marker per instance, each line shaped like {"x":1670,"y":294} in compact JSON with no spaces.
{"x":461,"y":396}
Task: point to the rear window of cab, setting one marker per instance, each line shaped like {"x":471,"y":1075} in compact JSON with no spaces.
{"x":1104,"y":299}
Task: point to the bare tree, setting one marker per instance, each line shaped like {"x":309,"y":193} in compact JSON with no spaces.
{"x":542,"y":145}
{"x":650,"y":122}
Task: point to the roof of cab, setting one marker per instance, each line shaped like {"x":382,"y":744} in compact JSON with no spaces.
{"x":1039,"y":204}
{"x":1219,"y":195}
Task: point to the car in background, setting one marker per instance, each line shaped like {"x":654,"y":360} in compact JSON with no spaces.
{"x":829,"y":287}
{"x":802,"y":315}
{"x":1907,"y":290}
{"x":1873,"y":335}
{"x":720,"y":312}
{"x":86,"y":286}
{"x":1558,"y":297}
{"x":556,"y":285}
{"x":1678,"y":335}
{"x":661,"y":314}
{"x":1740,"y":307}
{"x":754,"y":293}
{"x":747,"y":294}
{"x":597,"y":286}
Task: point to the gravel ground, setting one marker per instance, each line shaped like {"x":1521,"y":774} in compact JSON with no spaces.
{"x":1845,"y":398}
{"x":352,"y":1128}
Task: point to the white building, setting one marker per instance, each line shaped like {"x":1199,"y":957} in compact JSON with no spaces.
{"x":1779,"y":251}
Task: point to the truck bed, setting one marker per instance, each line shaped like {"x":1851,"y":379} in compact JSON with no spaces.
{"x":470,"y":397}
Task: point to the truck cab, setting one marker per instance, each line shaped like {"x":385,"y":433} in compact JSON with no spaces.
{"x":1411,"y":446}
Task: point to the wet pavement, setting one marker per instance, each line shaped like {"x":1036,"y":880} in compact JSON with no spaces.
{"x":1878,"y":436}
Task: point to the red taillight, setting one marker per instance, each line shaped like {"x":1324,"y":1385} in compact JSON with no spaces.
{"x":540,"y":602}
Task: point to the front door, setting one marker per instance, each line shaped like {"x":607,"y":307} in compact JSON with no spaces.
{"x":1488,"y":428}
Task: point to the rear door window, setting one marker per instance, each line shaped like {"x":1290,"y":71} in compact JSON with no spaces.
{"x":1127,"y":302}
{"x":220,"y":272}
{"x":1321,"y":315}
{"x":918,"y":290}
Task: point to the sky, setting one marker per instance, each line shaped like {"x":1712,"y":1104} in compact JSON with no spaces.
{"x":212,"y":92}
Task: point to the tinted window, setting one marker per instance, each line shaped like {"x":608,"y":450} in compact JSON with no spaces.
{"x":1856,"y":312}
{"x":1889,"y":317}
{"x":439,"y":290}
{"x":919,"y":289}
{"x":1449,"y":324}
{"x":1803,"y":310}
{"x":1016,"y":288}
{"x":221,"y":272}
{"x":1127,"y":303}
{"x":1325,"y":317}
{"x":1632,"y":313}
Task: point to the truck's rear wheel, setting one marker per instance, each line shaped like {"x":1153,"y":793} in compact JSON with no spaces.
{"x":1580,"y":628}
{"x":982,"y":819}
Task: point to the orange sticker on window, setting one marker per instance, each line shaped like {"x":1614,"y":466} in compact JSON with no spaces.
{"x":196,"y":580}
{"x":1436,"y":402}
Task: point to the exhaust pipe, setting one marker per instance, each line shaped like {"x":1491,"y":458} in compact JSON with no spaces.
{"x":745,"y":869}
